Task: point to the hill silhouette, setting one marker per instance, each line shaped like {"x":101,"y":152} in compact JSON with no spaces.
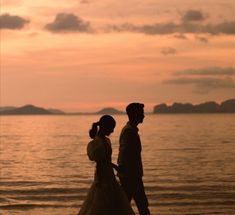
{"x":109,"y":110}
{"x":227,"y":106}
{"x":34,"y":110}
{"x":6,"y":108}
{"x":25,"y":110}
{"x":56,"y":111}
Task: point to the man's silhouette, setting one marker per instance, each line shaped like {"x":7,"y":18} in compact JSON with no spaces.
{"x":129,"y":158}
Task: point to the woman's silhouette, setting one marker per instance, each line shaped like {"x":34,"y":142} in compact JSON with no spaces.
{"x":105,"y":196}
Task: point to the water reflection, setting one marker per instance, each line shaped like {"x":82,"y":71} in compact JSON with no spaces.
{"x":189,"y":163}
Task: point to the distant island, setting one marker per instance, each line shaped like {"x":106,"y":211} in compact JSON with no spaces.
{"x":227,"y":106}
{"x":33,"y":110}
{"x":111,"y":111}
{"x":25,"y":110}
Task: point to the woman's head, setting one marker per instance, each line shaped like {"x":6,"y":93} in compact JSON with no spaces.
{"x":106,"y":126}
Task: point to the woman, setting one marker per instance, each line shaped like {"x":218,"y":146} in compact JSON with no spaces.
{"x":105,"y":196}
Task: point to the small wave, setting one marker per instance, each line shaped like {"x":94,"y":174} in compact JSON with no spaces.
{"x":44,"y":191}
{"x":66,"y":136}
{"x":31,"y":206}
{"x":23,"y":183}
{"x":181,"y":149}
{"x":82,"y":180}
{"x":53,"y":198}
{"x":192,"y":188}
{"x":195,"y":203}
{"x":160,"y":197}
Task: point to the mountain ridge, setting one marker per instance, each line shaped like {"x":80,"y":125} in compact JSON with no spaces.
{"x":227,"y":106}
{"x":25,"y":110}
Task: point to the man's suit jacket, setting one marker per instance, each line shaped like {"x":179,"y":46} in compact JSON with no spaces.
{"x":129,"y":158}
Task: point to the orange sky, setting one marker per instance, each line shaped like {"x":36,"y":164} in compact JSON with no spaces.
{"x":88,"y":54}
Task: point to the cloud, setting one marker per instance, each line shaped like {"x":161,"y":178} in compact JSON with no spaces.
{"x":193,"y":15}
{"x":84,"y":2}
{"x":168,"y":51}
{"x":67,"y":22}
{"x":158,"y":28}
{"x":181,"y":36}
{"x":227,"y":27}
{"x":204,"y":85}
{"x":8,"y":21}
{"x":205,"y":80}
{"x":213,"y":71}
{"x":202,"y":39}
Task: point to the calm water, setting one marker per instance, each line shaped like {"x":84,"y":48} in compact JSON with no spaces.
{"x":189,"y":163}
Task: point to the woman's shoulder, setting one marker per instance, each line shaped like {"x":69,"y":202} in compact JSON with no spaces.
{"x":95,"y":149}
{"x":94,"y":144}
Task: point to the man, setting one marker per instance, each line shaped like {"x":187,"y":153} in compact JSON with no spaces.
{"x":129,"y":158}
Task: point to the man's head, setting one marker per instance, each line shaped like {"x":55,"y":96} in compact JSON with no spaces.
{"x":135,"y":112}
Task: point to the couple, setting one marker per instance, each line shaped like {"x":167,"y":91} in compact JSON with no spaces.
{"x":106,"y":196}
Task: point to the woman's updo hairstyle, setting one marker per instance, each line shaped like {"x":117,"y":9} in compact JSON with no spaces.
{"x":93,"y":130}
{"x":106,"y":121}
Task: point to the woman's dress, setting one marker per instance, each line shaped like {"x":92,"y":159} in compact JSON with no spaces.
{"x":105,"y":196}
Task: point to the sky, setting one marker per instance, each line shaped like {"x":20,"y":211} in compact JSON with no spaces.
{"x":85,"y":55}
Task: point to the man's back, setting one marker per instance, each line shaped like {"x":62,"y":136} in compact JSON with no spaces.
{"x":129,"y":158}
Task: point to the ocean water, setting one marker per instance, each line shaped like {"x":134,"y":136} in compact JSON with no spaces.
{"x":189,"y":163}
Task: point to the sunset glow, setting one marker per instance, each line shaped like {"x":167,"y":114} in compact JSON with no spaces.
{"x":85,"y":55}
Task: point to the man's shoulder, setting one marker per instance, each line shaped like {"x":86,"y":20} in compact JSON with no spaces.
{"x":128,"y":129}
{"x":128,"y":132}
{"x":131,"y":126}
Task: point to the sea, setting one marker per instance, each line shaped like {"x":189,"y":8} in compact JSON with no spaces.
{"x":189,"y":163}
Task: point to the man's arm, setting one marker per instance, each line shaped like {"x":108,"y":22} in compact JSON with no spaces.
{"x":126,"y":148}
